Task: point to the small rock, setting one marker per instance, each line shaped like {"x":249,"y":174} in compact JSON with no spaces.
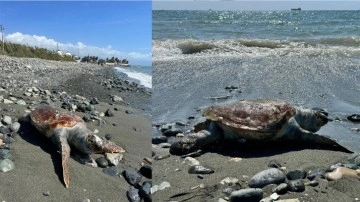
{"x":113,"y":158}
{"x":15,"y":126}
{"x":274,"y":196}
{"x":199,"y":169}
{"x":21,"y":102}
{"x":145,"y":191}
{"x":102,"y":162}
{"x":154,"y":189}
{"x":112,"y":171}
{"x":132,"y":177}
{"x":94,"y":101}
{"x":133,"y":195}
{"x":6,"y":165}
{"x":146,"y":171}
{"x":117,"y":99}
{"x":5,"y":154}
{"x":250,"y":195}
{"x":229,"y":180}
{"x":164,"y":185}
{"x":316,"y":172}
{"x":312,"y":183}
{"x":165,"y":145}
{"x":296,"y":174}
{"x":267,"y":199}
{"x":296,"y":185}
{"x":6,"y":120}
{"x":191,"y":161}
{"x":227,"y":191}
{"x":158,"y":139}
{"x":108,"y":136}
{"x":172,"y":132}
{"x":282,"y":188}
{"x":265,"y":177}
{"x":47,"y":193}
{"x":7,"y":101}
{"x":165,"y":127}
{"x":109,"y":113}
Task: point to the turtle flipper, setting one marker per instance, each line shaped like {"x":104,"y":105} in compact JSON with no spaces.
{"x":83,"y":158}
{"x":192,"y":142}
{"x":59,"y":137}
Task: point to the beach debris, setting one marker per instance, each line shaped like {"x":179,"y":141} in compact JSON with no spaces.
{"x":132,"y":177}
{"x":6,"y":165}
{"x":250,"y":194}
{"x":229,"y":180}
{"x":245,"y":120}
{"x":199,"y":169}
{"x":342,"y":171}
{"x":265,"y":177}
{"x":111,"y":171}
{"x":296,"y":174}
{"x":65,"y":129}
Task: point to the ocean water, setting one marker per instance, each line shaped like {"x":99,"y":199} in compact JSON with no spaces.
{"x":137,"y":73}
{"x":309,"y":58}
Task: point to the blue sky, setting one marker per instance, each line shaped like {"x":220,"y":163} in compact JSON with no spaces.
{"x":255,"y":5}
{"x":118,"y":28}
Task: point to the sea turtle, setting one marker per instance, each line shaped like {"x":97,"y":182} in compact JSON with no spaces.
{"x":67,"y":130}
{"x":260,"y":120}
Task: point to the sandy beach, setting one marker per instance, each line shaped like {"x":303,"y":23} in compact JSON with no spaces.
{"x":37,"y":174}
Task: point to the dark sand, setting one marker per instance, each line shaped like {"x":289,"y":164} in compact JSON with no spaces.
{"x":37,"y":162}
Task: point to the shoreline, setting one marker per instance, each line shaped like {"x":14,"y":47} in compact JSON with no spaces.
{"x":36,"y":175}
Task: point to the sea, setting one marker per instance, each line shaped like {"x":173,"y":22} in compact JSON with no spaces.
{"x":139,"y":74}
{"x":309,"y":58}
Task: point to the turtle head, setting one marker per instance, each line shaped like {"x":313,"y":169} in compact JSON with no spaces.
{"x":311,"y":119}
{"x":97,"y":145}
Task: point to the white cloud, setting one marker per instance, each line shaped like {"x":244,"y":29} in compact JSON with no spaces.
{"x":79,"y":47}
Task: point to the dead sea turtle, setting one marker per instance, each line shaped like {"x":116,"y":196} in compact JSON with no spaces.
{"x":67,"y":130}
{"x":260,"y":120}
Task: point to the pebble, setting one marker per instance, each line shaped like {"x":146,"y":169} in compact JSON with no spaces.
{"x":229,"y":180}
{"x":296,"y":174}
{"x":265,"y":177}
{"x":94,"y":101}
{"x":7,"y":101}
{"x":145,"y":191}
{"x":274,"y":196}
{"x":5,"y":154}
{"x":164,"y":185}
{"x":249,"y":195}
{"x":199,"y":169}
{"x":191,"y":161}
{"x":281,"y":188}
{"x":165,"y":145}
{"x":21,"y":102}
{"x":296,"y":185}
{"x":102,"y":162}
{"x":108,"y":137}
{"x":133,"y":195}
{"x":312,"y":183}
{"x":158,"y":139}
{"x":267,"y":199}
{"x":165,"y":127}
{"x":171,"y":132}
{"x":6,"y":165}
{"x":6,"y":120}
{"x":113,"y":158}
{"x":112,"y":171}
{"x":117,"y":99}
{"x":132,"y":177}
{"x":316,"y":172}
{"x":47,"y":193}
{"x":146,"y":171}
{"x":154,"y":189}
{"x":15,"y":126}
{"x":227,"y":191}
{"x":109,"y":113}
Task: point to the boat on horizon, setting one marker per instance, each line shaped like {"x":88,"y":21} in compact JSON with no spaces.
{"x":296,"y":9}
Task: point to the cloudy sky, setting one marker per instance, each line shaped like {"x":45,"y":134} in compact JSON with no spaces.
{"x":105,"y":29}
{"x":255,"y":5}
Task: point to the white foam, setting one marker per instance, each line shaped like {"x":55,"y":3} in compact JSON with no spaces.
{"x":145,"y":79}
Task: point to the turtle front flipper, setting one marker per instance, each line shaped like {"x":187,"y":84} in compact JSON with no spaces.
{"x":59,"y":137}
{"x":192,"y":143}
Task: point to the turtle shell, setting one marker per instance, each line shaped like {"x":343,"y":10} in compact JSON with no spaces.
{"x":46,"y":118}
{"x":251,"y":117}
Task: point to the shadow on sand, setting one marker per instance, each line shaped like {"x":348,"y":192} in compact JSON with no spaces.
{"x":30,"y":134}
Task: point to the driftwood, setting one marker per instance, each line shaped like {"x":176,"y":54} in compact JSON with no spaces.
{"x":219,"y":97}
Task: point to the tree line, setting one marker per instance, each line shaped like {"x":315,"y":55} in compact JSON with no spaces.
{"x":95,"y":59}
